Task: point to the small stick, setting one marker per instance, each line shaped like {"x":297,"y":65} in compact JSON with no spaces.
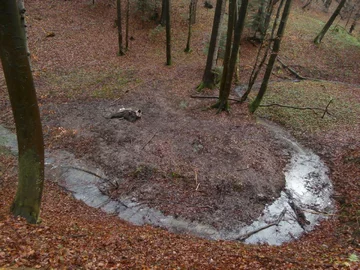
{"x":149,"y":141}
{"x":326,"y":109}
{"x":196,"y":180}
{"x":275,"y":223}
{"x":213,"y":97}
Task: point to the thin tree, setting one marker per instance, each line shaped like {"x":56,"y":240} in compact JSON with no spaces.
{"x":275,"y":50}
{"x":127,"y":25}
{"x":163,"y":13}
{"x":228,"y":73}
{"x":119,"y":24}
{"x":191,"y":15}
{"x":208,"y":80}
{"x":25,"y":109}
{"x":193,"y":9}
{"x":168,"y":33}
{"x":322,"y":33}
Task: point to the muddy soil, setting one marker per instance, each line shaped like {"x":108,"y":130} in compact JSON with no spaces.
{"x":178,"y":158}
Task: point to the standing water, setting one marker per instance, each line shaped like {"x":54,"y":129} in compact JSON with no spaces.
{"x":303,"y":203}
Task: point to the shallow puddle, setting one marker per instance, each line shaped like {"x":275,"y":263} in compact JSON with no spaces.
{"x":305,"y":201}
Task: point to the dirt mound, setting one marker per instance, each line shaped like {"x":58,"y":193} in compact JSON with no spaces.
{"x":219,"y":170}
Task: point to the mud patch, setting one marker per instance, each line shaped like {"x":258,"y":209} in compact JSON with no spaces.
{"x":180,"y":162}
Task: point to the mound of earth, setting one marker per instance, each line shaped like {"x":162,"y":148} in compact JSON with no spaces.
{"x":216,"y":169}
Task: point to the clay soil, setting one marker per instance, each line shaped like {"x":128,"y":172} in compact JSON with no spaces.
{"x":179,"y":157}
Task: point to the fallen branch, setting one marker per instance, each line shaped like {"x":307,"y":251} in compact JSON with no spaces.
{"x":275,"y":223}
{"x":326,"y":109}
{"x":297,"y":75}
{"x":314,"y":109}
{"x":92,"y":173}
{"x":213,"y":97}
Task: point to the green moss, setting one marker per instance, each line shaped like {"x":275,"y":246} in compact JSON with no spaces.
{"x":29,"y":191}
{"x":344,"y":110}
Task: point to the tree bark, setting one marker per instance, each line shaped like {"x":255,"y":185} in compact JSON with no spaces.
{"x":222,"y":104}
{"x":225,"y":90}
{"x":191,"y":15}
{"x":208,"y":77}
{"x":25,"y":109}
{"x":163,"y":13}
{"x":168,"y":34}
{"x":119,"y":24}
{"x":322,"y":33}
{"x":193,"y":4}
{"x":127,"y":25}
{"x":276,"y":48}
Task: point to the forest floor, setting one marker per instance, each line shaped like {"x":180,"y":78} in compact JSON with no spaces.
{"x":180,"y":157}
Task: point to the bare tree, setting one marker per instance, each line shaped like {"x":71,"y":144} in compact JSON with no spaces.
{"x":322,"y":33}
{"x":208,"y":80}
{"x":276,"y":48}
{"x":19,"y":81}
{"x":230,"y":61}
{"x":119,"y":24}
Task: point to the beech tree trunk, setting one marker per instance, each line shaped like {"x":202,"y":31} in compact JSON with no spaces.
{"x":276,"y":48}
{"x":222,"y":104}
{"x":191,"y":15}
{"x":322,"y":33}
{"x":229,"y":72}
{"x":119,"y":25}
{"x":193,"y":4}
{"x":168,"y":33}
{"x":163,"y":13}
{"x":127,"y":25}
{"x":208,"y":80}
{"x":25,"y":109}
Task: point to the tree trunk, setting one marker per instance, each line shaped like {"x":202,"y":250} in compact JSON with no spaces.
{"x":208,"y":77}
{"x":280,"y":33}
{"x":193,"y":3}
{"x":168,"y":33}
{"x":322,"y":33}
{"x":23,"y":100}
{"x":127,"y":25}
{"x":222,"y":104}
{"x":228,"y":75}
{"x":119,"y":24}
{"x":163,"y":13}
{"x":191,"y":14}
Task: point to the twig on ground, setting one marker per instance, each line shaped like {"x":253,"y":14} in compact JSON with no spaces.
{"x":149,"y":141}
{"x":213,"y":97}
{"x":92,"y":173}
{"x":196,"y":180}
{"x":326,"y":109}
{"x":275,"y":223}
{"x":314,"y":109}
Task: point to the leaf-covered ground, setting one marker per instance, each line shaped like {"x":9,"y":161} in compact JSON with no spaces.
{"x":79,"y":62}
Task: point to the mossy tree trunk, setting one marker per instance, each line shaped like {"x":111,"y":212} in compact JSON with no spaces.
{"x":276,"y":48}
{"x":208,"y":80}
{"x":232,"y":59}
{"x":119,"y":25}
{"x":25,"y":109}
{"x":322,"y":33}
